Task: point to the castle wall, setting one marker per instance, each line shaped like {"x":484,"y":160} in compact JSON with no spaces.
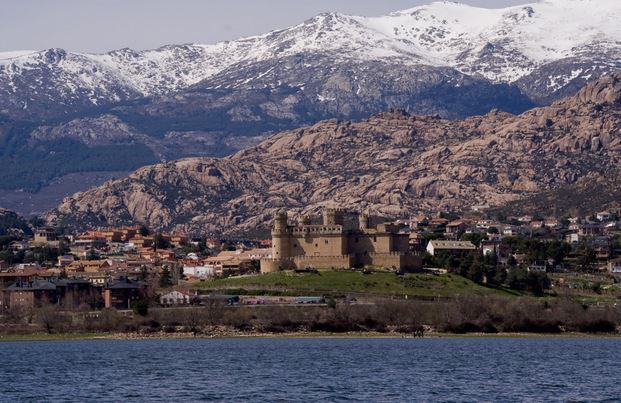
{"x":275,"y":265}
{"x":400,"y":261}
{"x":324,"y":262}
{"x":281,"y":246}
{"x":369,"y":243}
{"x":270,"y":266}
{"x":342,"y":241}
{"x":317,"y":245}
{"x":401,"y":243}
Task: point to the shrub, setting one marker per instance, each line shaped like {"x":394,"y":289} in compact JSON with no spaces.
{"x":140,"y":308}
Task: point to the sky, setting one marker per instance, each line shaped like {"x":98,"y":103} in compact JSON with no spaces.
{"x":99,"y":26}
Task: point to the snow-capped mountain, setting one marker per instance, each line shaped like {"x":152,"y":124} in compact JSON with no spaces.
{"x":502,"y":45}
{"x":64,"y":112}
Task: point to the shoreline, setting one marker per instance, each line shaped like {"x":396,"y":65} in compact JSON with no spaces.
{"x":41,"y":337}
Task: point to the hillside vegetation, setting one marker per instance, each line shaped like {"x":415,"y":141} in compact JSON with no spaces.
{"x":335,"y":282}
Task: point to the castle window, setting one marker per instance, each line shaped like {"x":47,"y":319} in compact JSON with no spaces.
{"x":374,"y":239}
{"x":316,"y":245}
{"x":295,"y":245}
{"x":326,"y":241}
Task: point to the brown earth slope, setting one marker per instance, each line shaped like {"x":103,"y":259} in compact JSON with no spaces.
{"x":391,"y":164}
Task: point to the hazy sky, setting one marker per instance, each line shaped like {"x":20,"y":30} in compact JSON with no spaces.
{"x":103,"y":25}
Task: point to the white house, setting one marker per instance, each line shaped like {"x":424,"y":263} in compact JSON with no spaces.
{"x":490,"y":248}
{"x":435,"y":246}
{"x":614,"y":266}
{"x":192,"y":256}
{"x":572,"y":237}
{"x":537,"y":267}
{"x":510,"y":230}
{"x":604,"y":216}
{"x":175,"y":298}
{"x":199,"y":270}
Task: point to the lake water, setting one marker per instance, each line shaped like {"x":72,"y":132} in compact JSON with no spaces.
{"x":378,"y":370}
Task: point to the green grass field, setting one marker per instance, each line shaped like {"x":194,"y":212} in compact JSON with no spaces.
{"x":377,"y":283}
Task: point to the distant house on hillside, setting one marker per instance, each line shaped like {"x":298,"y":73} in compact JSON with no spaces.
{"x":30,"y":294}
{"x":538,"y":266}
{"x":455,"y":228}
{"x":614,"y":266}
{"x":436,"y":247}
{"x":175,"y":298}
{"x":199,"y":270}
{"x":604,"y":216}
{"x":120,"y":294}
{"x":65,"y":260}
{"x":45,"y":236}
{"x":490,"y":248}
{"x":17,"y":246}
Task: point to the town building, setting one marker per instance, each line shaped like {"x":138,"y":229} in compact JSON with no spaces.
{"x":614,"y":266}
{"x":175,"y":298}
{"x":122,"y":293}
{"x":30,"y":294}
{"x":489,"y":247}
{"x":538,"y":266}
{"x":436,"y":247}
{"x":344,"y":239}
{"x":199,"y":270}
{"x":455,"y":229}
{"x":45,"y":236}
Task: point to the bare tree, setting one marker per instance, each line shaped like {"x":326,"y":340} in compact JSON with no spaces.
{"x":50,"y":318}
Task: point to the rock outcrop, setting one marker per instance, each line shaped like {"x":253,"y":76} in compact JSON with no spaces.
{"x":392,"y":164}
{"x":11,"y":223}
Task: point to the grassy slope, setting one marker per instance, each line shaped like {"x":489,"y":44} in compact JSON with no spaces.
{"x":356,"y":282}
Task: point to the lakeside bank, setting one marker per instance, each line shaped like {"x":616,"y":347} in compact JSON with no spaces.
{"x":232,"y":334}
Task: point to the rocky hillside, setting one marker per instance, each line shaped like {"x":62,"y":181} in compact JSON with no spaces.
{"x":11,"y":222}
{"x":392,"y":164}
{"x":590,"y":194}
{"x":178,"y":101}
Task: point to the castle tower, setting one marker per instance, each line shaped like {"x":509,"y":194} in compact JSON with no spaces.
{"x":280,"y":222}
{"x":329,"y":216}
{"x":364,"y":221}
{"x":280,"y":236}
{"x":305,"y":220}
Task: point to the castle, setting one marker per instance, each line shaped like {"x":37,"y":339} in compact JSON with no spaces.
{"x":344,"y":239}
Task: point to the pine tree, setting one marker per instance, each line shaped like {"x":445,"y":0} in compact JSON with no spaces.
{"x":165,"y":279}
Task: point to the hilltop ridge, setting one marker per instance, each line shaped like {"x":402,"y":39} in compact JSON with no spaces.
{"x":392,"y":164}
{"x":197,"y":100}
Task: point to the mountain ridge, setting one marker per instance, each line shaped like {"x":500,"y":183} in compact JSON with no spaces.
{"x":501,"y":45}
{"x":391,"y":164}
{"x":195,"y":100}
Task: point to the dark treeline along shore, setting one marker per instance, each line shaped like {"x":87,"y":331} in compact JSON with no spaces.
{"x":462,"y":315}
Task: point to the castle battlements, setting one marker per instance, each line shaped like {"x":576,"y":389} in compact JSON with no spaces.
{"x":343,"y":239}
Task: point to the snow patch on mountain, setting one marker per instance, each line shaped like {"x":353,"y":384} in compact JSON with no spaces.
{"x":502,"y":45}
{"x":8,"y":57}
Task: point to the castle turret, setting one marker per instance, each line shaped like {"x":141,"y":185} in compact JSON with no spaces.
{"x":280,"y":236}
{"x":333,"y":216}
{"x":364,"y":221}
{"x":306,"y":220}
{"x":329,"y":216}
{"x":280,"y":222}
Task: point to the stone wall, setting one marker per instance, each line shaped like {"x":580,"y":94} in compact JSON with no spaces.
{"x":403,"y":261}
{"x":324,"y":262}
